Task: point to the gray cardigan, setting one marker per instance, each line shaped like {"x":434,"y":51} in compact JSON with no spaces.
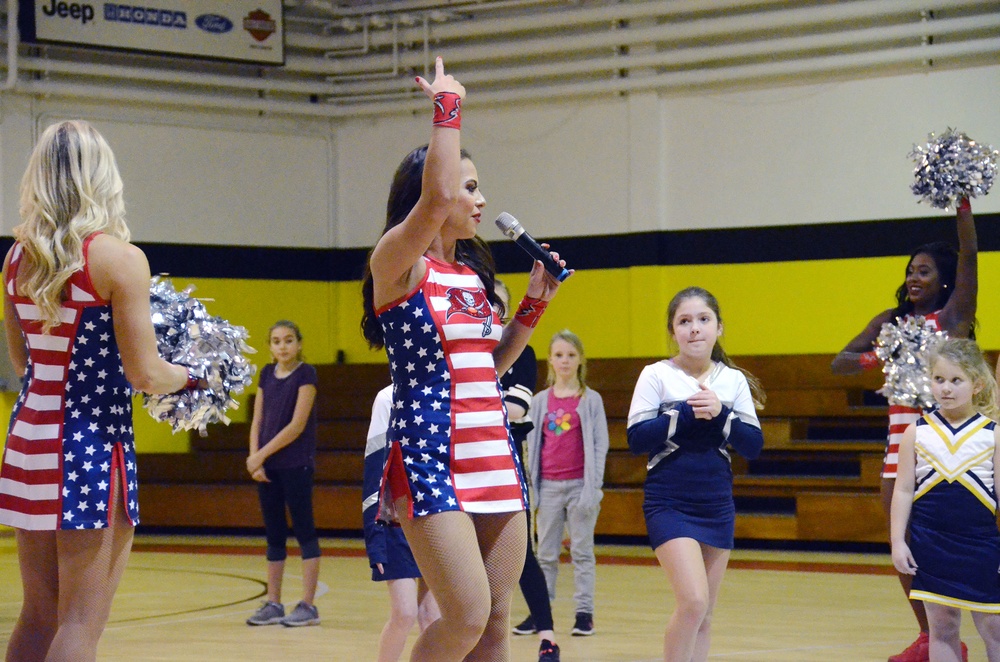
{"x":593,"y":424}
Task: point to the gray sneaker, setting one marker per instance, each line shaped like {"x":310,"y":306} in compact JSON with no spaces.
{"x":303,"y":614}
{"x":269,"y":613}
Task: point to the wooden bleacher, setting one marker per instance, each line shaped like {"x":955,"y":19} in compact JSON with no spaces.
{"x":817,"y":479}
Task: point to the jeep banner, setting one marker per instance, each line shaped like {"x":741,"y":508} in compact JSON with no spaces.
{"x":244,"y":30}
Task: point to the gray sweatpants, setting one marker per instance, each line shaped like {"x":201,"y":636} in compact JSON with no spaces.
{"x":557,"y":507}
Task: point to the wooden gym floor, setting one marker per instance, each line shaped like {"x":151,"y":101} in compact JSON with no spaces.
{"x":186,"y":598}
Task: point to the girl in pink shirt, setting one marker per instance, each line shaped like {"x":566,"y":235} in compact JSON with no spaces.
{"x":566,"y":455}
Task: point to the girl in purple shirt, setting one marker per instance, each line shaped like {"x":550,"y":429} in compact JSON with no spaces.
{"x":282,"y":461}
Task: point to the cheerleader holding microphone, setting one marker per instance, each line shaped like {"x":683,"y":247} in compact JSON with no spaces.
{"x":451,"y":479}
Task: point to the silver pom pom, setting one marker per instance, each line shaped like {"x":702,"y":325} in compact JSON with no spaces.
{"x":211,"y":347}
{"x":904,"y":349}
{"x":952,"y":166}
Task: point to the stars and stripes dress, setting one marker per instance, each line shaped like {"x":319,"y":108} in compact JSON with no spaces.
{"x":953,"y":530}
{"x":901,"y":417}
{"x":449,"y":446}
{"x":71,"y":428}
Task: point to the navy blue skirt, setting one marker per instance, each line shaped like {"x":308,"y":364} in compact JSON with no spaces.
{"x":956,"y":545}
{"x":401,"y":563}
{"x":711,"y":523}
{"x":690,"y":495}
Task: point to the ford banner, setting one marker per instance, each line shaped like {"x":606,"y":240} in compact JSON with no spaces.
{"x":243,"y":30}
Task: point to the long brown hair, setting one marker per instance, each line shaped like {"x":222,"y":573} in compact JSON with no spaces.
{"x":718,"y":354}
{"x":403,"y":195}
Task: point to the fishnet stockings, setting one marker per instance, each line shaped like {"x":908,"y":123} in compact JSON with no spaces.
{"x":69,"y":580}
{"x":471,"y":563}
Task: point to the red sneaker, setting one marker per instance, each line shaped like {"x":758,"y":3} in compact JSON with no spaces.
{"x":918,"y":651}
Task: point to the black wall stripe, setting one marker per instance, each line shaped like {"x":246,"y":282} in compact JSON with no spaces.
{"x":677,"y":247}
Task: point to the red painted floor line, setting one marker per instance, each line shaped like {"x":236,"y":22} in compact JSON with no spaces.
{"x":604,"y":559}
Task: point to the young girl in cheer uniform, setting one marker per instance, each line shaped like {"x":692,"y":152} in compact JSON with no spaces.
{"x":945,"y":495}
{"x":410,"y":601}
{"x":686,"y":413}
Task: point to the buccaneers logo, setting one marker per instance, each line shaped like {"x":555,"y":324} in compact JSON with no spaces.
{"x":472,"y":303}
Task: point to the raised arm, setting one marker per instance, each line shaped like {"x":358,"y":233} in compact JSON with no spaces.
{"x":120,"y":273}
{"x":959,"y":314}
{"x":400,"y":249}
{"x":856,"y":356}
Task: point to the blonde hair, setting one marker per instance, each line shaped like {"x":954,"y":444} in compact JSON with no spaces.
{"x":581,"y":370}
{"x":70,"y":190}
{"x":965,"y":354}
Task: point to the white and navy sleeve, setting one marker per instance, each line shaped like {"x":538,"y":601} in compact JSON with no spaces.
{"x":375,"y":544}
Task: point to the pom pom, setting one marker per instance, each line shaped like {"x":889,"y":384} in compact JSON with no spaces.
{"x":950,"y":167}
{"x":212,"y":349}
{"x":904,"y":348}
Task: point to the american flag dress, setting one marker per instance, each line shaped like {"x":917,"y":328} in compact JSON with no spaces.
{"x":448,"y":443}
{"x":901,"y":417}
{"x":71,"y":428}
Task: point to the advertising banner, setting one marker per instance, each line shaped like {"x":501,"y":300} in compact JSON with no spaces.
{"x":244,"y":30}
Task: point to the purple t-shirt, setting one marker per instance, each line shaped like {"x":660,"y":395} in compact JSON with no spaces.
{"x":280,"y":396}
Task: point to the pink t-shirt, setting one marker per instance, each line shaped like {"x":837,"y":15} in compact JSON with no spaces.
{"x":562,"y":439}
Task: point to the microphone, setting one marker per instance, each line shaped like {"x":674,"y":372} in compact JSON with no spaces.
{"x":510,"y":227}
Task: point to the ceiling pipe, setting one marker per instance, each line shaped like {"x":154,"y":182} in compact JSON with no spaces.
{"x":417,"y":5}
{"x":781,"y":17}
{"x":559,"y":18}
{"x":397,"y":85}
{"x":662,"y":82}
{"x":694,"y":55}
{"x":393,"y":71}
{"x":546,"y":47}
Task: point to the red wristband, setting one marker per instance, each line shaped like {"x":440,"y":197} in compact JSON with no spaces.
{"x":868,"y":360}
{"x":192,"y":381}
{"x":448,"y":110}
{"x":530,"y":311}
{"x":963,"y":205}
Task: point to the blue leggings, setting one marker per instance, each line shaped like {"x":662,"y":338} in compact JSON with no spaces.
{"x":291,"y":487}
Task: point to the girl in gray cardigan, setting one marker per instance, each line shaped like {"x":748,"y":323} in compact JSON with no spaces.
{"x":566,"y":455}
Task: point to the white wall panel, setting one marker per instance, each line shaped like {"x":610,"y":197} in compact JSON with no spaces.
{"x":561,"y":169}
{"x":199,"y":178}
{"x":191,"y":184}
{"x":821,"y":153}
{"x":779,"y":156}
{"x":16,"y":142}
